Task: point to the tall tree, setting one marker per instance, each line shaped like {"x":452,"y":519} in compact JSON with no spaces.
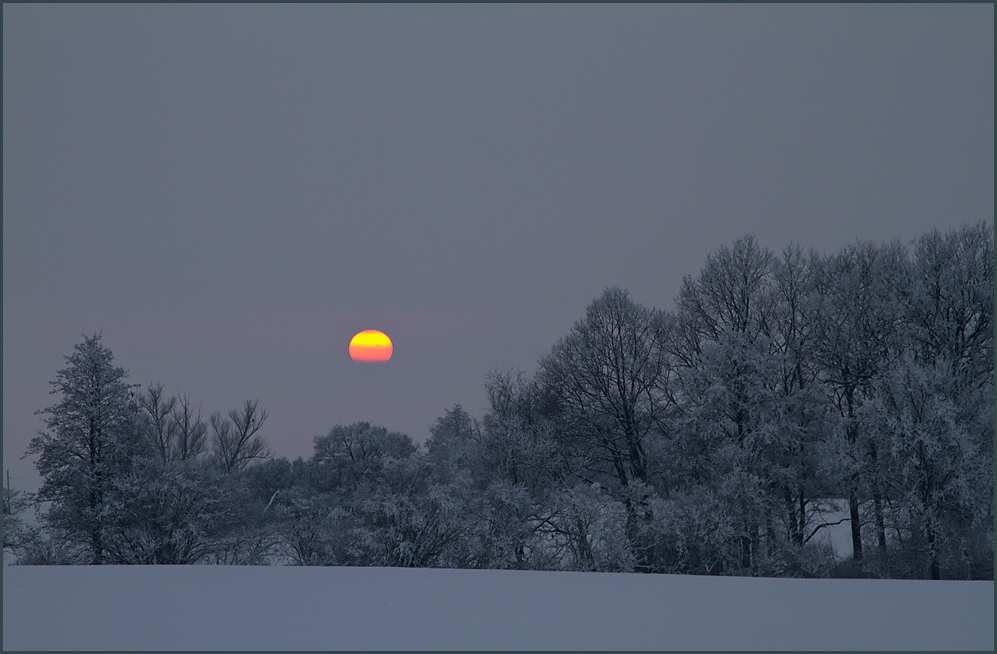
{"x":938,"y":467}
{"x":933,"y":406}
{"x":807,"y":478}
{"x":949,"y":302}
{"x":728,"y":370}
{"x":94,"y":437}
{"x":749,"y":402}
{"x":857,"y":322}
{"x":518,"y":443}
{"x":606,"y":381}
{"x":732,"y":293}
{"x":518,"y":463}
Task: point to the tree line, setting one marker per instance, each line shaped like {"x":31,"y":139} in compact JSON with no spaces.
{"x":711,"y":439}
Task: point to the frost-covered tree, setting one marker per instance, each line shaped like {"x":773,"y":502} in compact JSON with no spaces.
{"x":857,"y":322}
{"x":949,"y":302}
{"x":931,"y":409}
{"x":507,"y":528}
{"x":94,"y":436}
{"x":806,"y":471}
{"x":244,"y":530}
{"x":363,"y":499}
{"x":518,"y":443}
{"x":606,"y":382}
{"x":727,"y":379}
{"x":732,"y":293}
{"x":940,"y":469}
{"x":409,"y":522}
{"x":518,"y":466}
{"x":172,"y":514}
{"x":739,"y":425}
{"x":750,"y":406}
{"x":589,"y":531}
{"x":452,"y":443}
{"x":606,"y":386}
{"x":15,"y":502}
{"x":350,"y":455}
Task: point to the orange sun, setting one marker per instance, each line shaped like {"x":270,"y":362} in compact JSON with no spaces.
{"x":371,"y":346}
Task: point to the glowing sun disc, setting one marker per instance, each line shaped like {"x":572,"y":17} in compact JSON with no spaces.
{"x":371,"y":346}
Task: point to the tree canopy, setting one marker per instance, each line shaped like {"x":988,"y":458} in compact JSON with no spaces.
{"x":716,"y":438}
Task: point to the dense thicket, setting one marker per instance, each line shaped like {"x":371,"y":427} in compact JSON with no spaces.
{"x":711,"y":439}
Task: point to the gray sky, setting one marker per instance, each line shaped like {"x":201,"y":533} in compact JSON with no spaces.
{"x":231,"y":192}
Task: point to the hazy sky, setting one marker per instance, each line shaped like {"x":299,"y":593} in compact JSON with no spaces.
{"x":230,"y":192}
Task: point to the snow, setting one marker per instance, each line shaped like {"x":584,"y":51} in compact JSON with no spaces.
{"x":839,"y":536}
{"x":299,"y":608}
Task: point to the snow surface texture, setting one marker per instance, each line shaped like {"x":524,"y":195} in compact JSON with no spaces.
{"x":297,"y":608}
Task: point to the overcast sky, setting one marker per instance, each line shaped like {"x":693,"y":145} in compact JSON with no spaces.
{"x":230,"y":192}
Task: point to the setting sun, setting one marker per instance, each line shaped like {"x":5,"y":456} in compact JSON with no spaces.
{"x":371,"y":346}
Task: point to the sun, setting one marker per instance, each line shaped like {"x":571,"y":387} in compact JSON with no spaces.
{"x":371,"y":346}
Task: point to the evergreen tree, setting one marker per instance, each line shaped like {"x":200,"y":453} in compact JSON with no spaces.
{"x":94,"y":436}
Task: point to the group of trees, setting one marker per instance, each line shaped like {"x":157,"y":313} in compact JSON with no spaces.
{"x":712,"y":439}
{"x":131,"y":478}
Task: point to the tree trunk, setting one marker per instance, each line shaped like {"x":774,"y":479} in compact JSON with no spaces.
{"x":795,"y":528}
{"x":635,"y":536}
{"x":770,"y":536}
{"x":96,"y":546}
{"x":853,"y":502}
{"x":746,"y":542}
{"x":878,"y":502}
{"x":880,"y":525}
{"x":803,"y":517}
{"x":584,"y":547}
{"x":97,"y":527}
{"x":936,"y":573}
{"x":853,"y":510}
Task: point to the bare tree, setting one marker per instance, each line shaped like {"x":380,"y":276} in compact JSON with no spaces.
{"x":158,"y":412}
{"x":731,"y":293}
{"x":606,"y":379}
{"x":234,"y":439}
{"x":606,"y":382}
{"x":191,"y":435}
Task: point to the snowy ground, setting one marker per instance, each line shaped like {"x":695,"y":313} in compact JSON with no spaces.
{"x":288,"y":608}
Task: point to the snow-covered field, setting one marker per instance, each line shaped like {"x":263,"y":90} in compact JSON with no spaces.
{"x":294,"y":608}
